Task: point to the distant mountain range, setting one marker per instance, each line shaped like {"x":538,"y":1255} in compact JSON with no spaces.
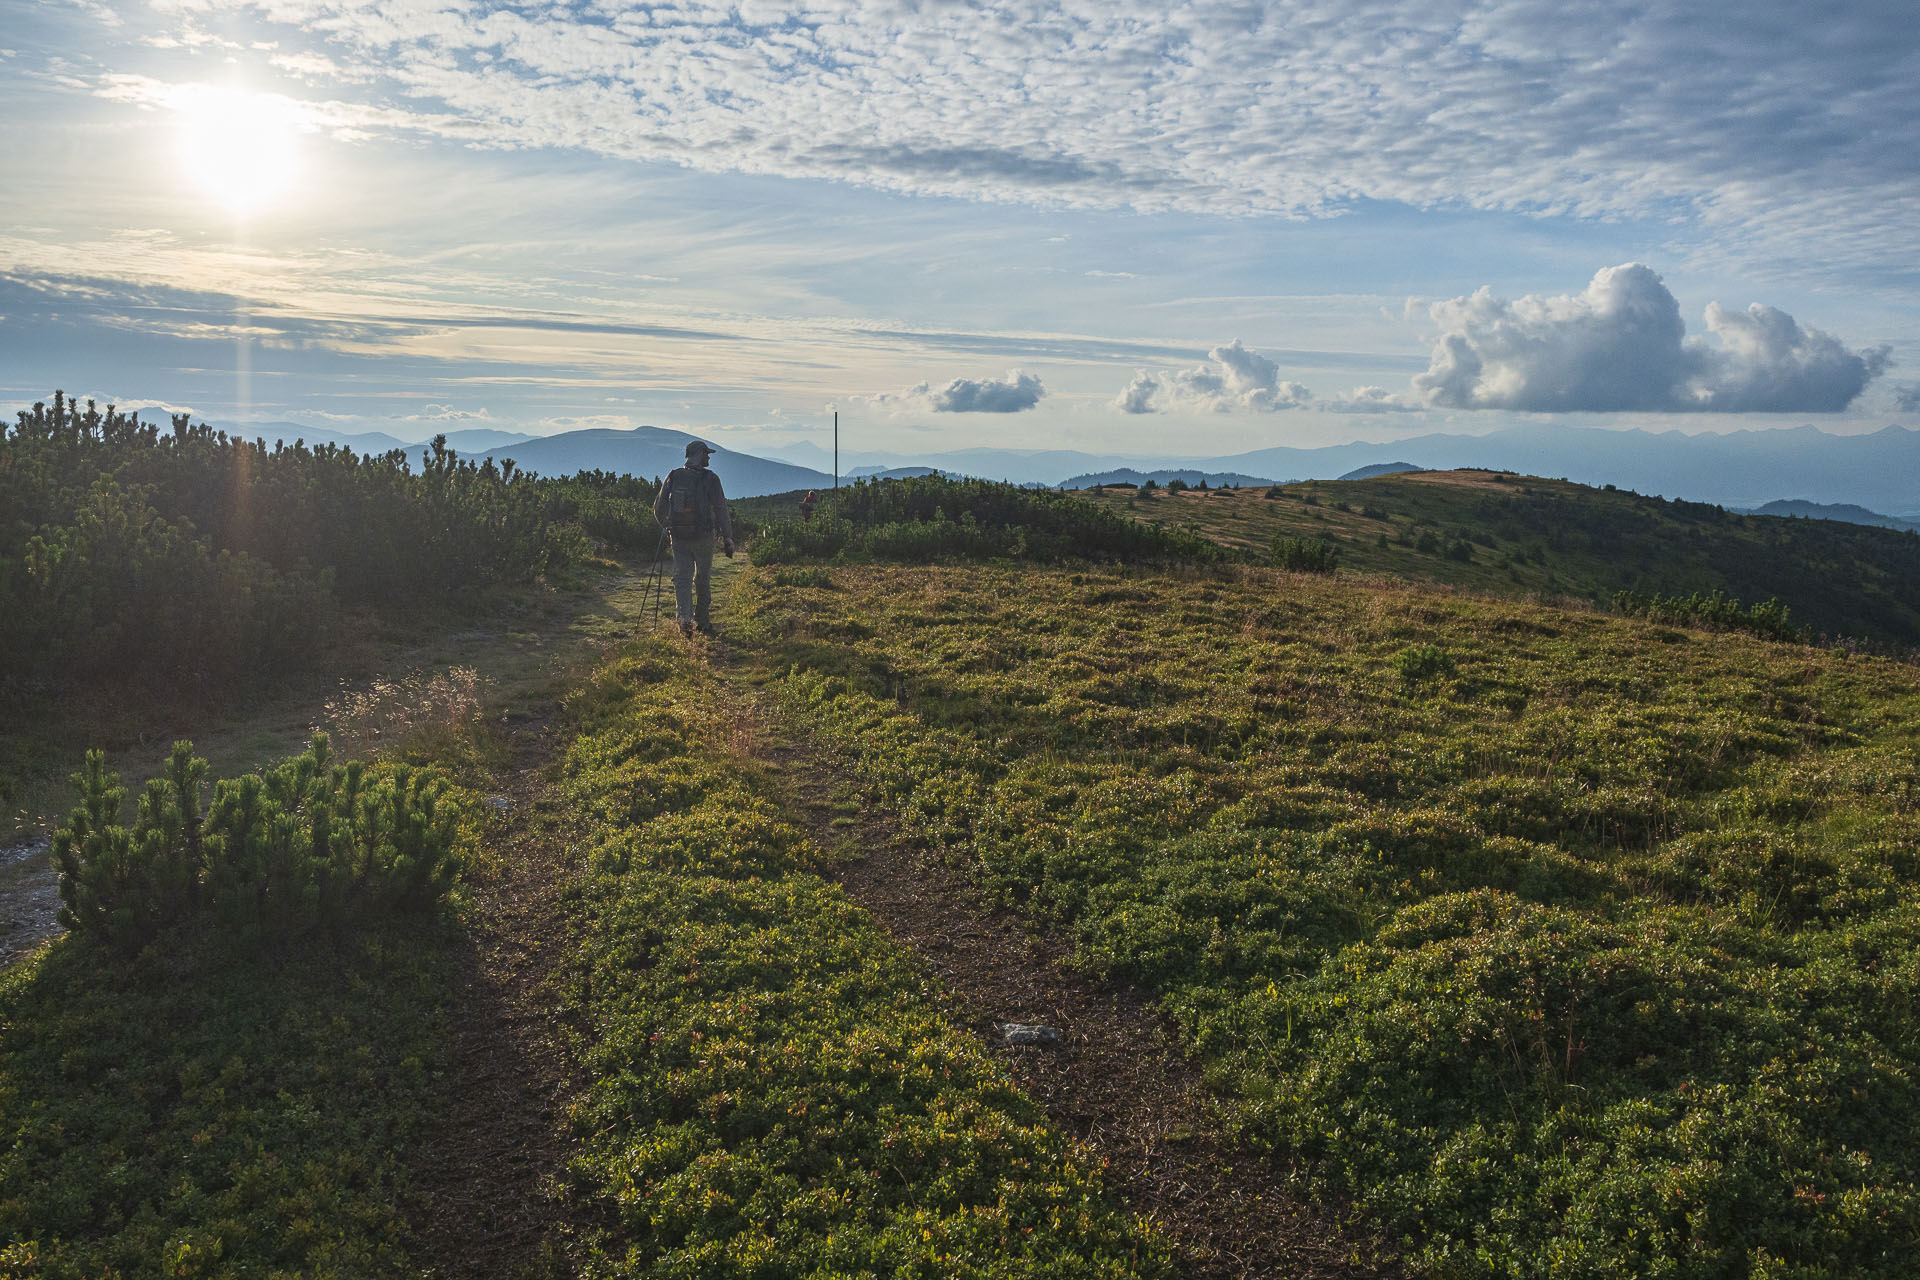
{"x":1738,"y":469}
{"x":1850,"y":514}
{"x":473,"y":440}
{"x":1187,"y":476}
{"x":1050,"y":467}
{"x":1744,"y":469}
{"x":1879,"y":472}
{"x":898,"y":473}
{"x":1380,"y":469}
{"x":650,"y":452}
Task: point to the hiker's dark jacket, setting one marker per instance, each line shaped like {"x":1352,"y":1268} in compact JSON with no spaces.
{"x":692,"y":504}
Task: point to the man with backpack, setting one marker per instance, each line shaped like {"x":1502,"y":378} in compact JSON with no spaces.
{"x":693,"y":509}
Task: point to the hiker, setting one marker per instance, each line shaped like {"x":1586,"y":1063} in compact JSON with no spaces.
{"x":693,"y":508}
{"x":807,"y":505}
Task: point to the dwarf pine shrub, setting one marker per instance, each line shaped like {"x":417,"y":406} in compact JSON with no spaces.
{"x":1303,"y":555}
{"x":129,"y":552}
{"x":304,"y":844}
{"x":1713,"y":610}
{"x":1423,"y":662}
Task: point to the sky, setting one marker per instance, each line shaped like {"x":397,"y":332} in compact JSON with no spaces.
{"x":1176,"y":229}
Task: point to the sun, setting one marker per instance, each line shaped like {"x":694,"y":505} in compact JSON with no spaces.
{"x":239,"y":148}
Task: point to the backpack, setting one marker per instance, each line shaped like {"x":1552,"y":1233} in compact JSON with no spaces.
{"x":689,"y":502}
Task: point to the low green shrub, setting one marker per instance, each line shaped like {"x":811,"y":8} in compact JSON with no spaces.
{"x":1713,"y":610}
{"x":1423,"y":662}
{"x":803,"y":577}
{"x":299,"y":845}
{"x":1303,"y":555}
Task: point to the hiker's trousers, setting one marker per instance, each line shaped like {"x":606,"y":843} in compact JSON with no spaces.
{"x":693,"y":578}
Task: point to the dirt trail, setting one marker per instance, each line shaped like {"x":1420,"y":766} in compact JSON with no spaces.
{"x":489,"y":1206}
{"x":1115,"y":1079}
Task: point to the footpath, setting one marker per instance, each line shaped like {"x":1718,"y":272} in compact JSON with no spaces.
{"x":1095,"y":1056}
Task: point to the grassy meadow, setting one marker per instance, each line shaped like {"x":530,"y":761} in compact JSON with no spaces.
{"x":1565,"y":944}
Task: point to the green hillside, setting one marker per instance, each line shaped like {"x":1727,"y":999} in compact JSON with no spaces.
{"x":1520,"y":535}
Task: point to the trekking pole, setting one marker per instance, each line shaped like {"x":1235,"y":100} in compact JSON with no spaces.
{"x":655,"y":587}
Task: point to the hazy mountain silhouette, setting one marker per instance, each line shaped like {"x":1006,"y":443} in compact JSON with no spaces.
{"x":1842,"y":511}
{"x":366,"y":442}
{"x":895,"y":473}
{"x":1380,"y":469}
{"x":1188,"y":475}
{"x":467,"y":442}
{"x":1880,"y":471}
{"x":1738,"y":469}
{"x":1048,"y":467}
{"x":653,"y":451}
{"x":642,"y":451}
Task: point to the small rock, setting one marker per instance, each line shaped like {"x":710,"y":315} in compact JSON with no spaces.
{"x":1029,"y":1033}
{"x":26,"y":849}
{"x":499,"y":804}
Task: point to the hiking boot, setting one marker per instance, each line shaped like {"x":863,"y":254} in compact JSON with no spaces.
{"x":686,"y":629}
{"x":704,"y":628}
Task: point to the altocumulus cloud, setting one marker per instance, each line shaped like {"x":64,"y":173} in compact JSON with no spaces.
{"x":1011,"y":394}
{"x":1529,"y":106}
{"x":1234,"y":379}
{"x":1621,"y":345}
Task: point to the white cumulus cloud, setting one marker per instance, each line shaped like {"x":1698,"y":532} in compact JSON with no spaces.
{"x":1621,"y":345}
{"x":1011,"y":394}
{"x":1235,"y":379}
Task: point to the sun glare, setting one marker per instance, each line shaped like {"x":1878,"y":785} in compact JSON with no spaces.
{"x":240,"y":148}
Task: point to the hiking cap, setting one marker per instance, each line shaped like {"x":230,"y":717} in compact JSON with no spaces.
{"x":700,"y":447}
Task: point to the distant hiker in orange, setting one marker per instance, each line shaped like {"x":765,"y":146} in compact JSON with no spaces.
{"x":693,"y":508}
{"x":807,"y":505}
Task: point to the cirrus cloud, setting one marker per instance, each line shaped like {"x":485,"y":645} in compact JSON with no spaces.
{"x":1620,"y":345}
